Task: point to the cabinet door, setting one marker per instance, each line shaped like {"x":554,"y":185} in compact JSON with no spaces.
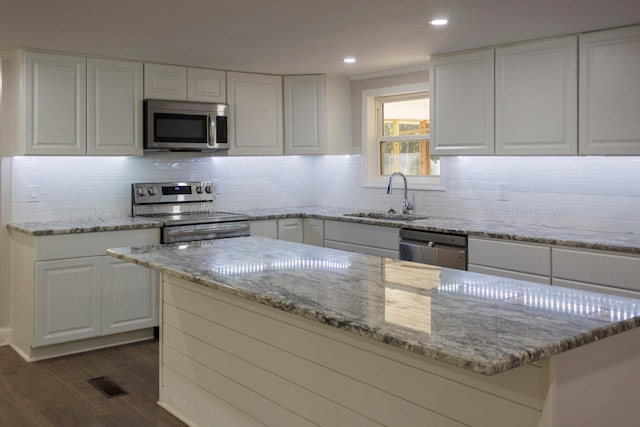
{"x":266,"y":228}
{"x":610,"y":92}
{"x":462,"y":104}
{"x":313,"y":232}
{"x":114,"y":107}
{"x":291,"y":229}
{"x":206,"y":85}
{"x":129,"y":296}
{"x":537,"y":98}
{"x":304,"y":115}
{"x":165,"y":82}
{"x":255,"y":121}
{"x":55,"y":104}
{"x":67,"y":300}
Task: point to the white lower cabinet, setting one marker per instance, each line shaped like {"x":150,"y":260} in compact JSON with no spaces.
{"x":596,"y":270}
{"x":313,"y":231}
{"x":70,"y":296}
{"x":67,"y":297}
{"x":362,"y":238}
{"x":129,"y":296}
{"x":87,"y":297}
{"x":507,"y":259}
{"x":264,"y":228}
{"x":291,"y":229}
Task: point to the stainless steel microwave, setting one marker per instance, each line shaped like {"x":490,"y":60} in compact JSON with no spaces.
{"x":185,"y":126}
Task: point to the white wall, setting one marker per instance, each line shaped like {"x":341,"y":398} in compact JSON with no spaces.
{"x":584,"y":192}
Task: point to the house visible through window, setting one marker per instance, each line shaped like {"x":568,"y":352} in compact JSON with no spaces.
{"x":402,"y":124}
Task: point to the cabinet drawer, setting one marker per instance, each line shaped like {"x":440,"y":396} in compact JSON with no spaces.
{"x":521,"y":257}
{"x":599,"y":268}
{"x":362,"y":234}
{"x":510,"y":274}
{"x":77,"y":245}
{"x":596,"y":288}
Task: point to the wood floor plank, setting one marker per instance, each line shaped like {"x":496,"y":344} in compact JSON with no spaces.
{"x":56,"y":392}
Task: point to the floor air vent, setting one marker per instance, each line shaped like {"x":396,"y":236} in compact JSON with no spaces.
{"x":107,"y":387}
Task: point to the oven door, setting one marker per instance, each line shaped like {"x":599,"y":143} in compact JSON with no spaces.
{"x":193,"y":232}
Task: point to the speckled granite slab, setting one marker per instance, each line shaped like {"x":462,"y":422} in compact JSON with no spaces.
{"x":482,"y":323}
{"x":628,"y":243}
{"x":82,"y":225}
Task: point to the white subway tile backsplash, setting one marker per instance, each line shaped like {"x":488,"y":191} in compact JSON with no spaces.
{"x":588,"y":192}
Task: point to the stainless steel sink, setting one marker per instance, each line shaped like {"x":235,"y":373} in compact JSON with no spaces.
{"x":389,"y":216}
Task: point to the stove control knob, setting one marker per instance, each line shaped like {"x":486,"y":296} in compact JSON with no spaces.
{"x":208,"y":189}
{"x":141,"y":191}
{"x":152,"y":191}
{"x":199,"y":189}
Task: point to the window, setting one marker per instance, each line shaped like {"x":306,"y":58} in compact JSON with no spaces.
{"x":402,"y":123}
{"x":396,"y":137}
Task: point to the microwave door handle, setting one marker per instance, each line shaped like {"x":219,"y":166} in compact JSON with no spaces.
{"x":211,"y":132}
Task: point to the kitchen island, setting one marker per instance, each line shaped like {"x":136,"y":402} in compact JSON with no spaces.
{"x":257,"y":331}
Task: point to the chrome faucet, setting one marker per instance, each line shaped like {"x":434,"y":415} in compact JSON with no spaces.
{"x":407,"y":208}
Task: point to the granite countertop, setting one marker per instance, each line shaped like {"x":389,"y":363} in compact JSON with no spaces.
{"x":628,"y":243}
{"x":482,"y":323}
{"x":82,"y":225}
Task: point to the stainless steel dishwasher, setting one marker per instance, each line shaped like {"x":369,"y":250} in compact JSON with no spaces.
{"x":426,"y":247}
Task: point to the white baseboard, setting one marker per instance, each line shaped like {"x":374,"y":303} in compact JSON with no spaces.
{"x":5,"y":336}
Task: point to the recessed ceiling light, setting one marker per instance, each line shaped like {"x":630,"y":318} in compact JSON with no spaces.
{"x":349,"y":60}
{"x":439,"y":22}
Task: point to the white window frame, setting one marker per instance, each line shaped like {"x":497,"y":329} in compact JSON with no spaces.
{"x":372,"y":178}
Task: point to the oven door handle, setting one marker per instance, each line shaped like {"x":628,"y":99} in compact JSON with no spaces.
{"x":183,"y":233}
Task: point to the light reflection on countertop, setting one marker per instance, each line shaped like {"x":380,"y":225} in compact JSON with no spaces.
{"x":483,"y":323}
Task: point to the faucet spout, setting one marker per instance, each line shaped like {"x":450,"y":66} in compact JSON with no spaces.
{"x":407,"y":208}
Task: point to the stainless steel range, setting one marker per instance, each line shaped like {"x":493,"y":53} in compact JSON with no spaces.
{"x":186,"y":210}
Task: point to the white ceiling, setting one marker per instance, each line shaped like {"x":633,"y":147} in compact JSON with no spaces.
{"x":295,"y":36}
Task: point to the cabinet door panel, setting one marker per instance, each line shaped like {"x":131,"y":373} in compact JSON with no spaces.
{"x":55,"y":104}
{"x":314,"y":231}
{"x":129,"y":296}
{"x":67,"y":300}
{"x":266,"y":228}
{"x":206,"y":85}
{"x":255,"y":122}
{"x":305,"y":119}
{"x":114,"y":107}
{"x":290,"y":229}
{"x":165,"y":82}
{"x":462,"y":104}
{"x":536,"y":98}
{"x":610,"y":92}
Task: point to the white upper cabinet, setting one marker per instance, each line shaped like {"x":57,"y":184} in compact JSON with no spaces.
{"x":54,"y":104}
{"x":165,"y":82}
{"x":255,"y":120}
{"x":114,"y":107}
{"x":462,"y":103}
{"x":311,"y":127}
{"x":79,"y":106}
{"x":178,"y":83}
{"x":206,"y":85}
{"x":610,"y":92}
{"x":536,"y":98}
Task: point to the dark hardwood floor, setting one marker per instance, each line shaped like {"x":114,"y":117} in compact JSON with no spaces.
{"x":55,"y":392}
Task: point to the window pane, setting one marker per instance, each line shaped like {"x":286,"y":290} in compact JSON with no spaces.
{"x":409,"y":157}
{"x":402,"y":118}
